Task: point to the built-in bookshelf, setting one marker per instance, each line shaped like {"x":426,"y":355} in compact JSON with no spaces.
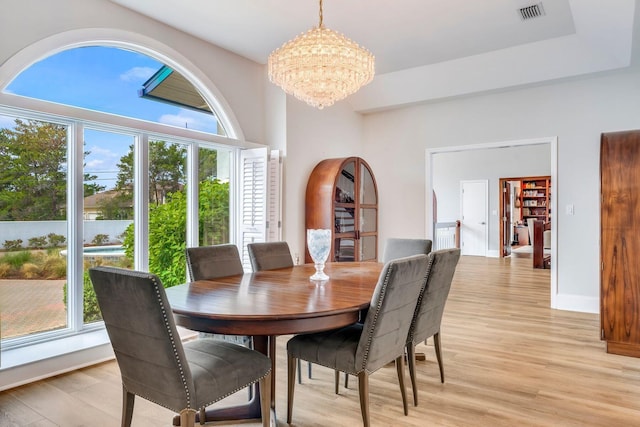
{"x":535,"y":198}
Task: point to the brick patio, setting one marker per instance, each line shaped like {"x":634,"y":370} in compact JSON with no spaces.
{"x":28,"y":306}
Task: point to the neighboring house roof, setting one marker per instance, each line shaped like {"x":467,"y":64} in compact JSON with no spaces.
{"x":94,"y":201}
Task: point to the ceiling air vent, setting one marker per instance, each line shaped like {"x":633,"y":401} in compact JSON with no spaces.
{"x":530,"y":12}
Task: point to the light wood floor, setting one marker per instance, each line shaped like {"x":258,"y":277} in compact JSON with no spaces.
{"x":509,"y":361}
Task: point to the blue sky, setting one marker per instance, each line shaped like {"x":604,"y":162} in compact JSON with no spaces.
{"x":104,"y":79}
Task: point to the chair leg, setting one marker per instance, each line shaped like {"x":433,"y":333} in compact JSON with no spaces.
{"x":203,"y":416}
{"x":291,"y":383}
{"x":272,"y":356}
{"x":309,"y":368}
{"x":299,"y":371}
{"x":436,"y":342}
{"x":265,"y":400}
{"x":188,"y":417}
{"x":337,"y":380}
{"x":403,"y":391}
{"x":127,"y":407}
{"x":346,"y":380}
{"x":411,"y":360}
{"x":363,"y":388}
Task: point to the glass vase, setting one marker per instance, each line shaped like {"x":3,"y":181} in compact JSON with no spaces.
{"x":319,"y":244}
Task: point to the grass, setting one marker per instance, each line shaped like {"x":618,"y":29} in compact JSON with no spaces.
{"x":37,"y":264}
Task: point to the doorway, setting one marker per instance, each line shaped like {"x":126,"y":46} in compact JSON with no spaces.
{"x":474,"y":201}
{"x":477,"y":151}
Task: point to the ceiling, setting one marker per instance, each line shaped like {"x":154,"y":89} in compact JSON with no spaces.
{"x":425,"y":49}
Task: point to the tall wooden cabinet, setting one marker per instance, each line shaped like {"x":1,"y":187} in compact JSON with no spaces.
{"x":620,"y":242}
{"x":342,"y":196}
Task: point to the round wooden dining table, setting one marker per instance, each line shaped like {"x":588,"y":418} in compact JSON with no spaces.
{"x":269,"y":303}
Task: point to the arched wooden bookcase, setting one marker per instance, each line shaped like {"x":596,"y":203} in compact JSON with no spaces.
{"x":342,"y":195}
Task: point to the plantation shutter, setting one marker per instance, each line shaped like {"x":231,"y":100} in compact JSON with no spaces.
{"x":274,"y":212}
{"x":253,"y":199}
{"x":261,"y":201}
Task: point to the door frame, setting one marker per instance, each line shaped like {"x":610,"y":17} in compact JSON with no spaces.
{"x":485,"y":182}
{"x":552,"y":141}
{"x":505,"y":246}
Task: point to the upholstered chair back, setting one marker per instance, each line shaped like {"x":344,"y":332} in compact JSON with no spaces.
{"x":428,"y":316}
{"x":395,"y":248}
{"x":143,"y":334}
{"x":269,"y":255}
{"x":385,"y":329}
{"x":211,"y":262}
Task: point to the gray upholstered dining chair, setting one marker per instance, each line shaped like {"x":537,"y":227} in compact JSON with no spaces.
{"x":428,"y":314}
{"x":211,"y":262}
{"x":395,"y":248}
{"x":155,"y":365}
{"x":399,"y":248}
{"x":271,"y":256}
{"x":363,"y":348}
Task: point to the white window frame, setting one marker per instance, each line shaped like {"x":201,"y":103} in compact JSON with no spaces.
{"x":91,"y":338}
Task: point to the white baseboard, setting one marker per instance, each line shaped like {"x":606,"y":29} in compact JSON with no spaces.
{"x":577,"y":303}
{"x":493,"y":254}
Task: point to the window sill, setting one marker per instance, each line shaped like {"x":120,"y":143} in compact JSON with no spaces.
{"x":31,"y":363}
{"x":34,"y":362}
{"x":50,"y":349}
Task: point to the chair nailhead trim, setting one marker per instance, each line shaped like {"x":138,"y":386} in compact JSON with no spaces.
{"x":420,"y":298}
{"x":173,"y":343}
{"x":390,"y":269}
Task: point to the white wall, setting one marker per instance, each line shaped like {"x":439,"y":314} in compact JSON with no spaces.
{"x":489,"y":164}
{"x":239,"y":81}
{"x":577,"y":112}
{"x":313,"y":135}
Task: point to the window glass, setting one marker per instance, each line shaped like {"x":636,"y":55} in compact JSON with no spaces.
{"x":33,"y":213}
{"x":213,"y":208}
{"x":167,"y":211}
{"x":345,"y":187}
{"x":107,"y":207}
{"x":367,"y":187}
{"x":117,"y":81}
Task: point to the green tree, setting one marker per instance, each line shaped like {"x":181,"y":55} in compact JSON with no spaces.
{"x":120,"y":206}
{"x":91,"y":188}
{"x":208,"y":164}
{"x":167,"y":163}
{"x":168,"y":229}
{"x":213,"y":212}
{"x":33,"y":171}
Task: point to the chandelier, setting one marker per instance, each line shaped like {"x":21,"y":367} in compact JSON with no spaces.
{"x":321,"y":66}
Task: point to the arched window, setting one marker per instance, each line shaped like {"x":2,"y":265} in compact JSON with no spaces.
{"x":118,"y":81}
{"x":124,"y":163}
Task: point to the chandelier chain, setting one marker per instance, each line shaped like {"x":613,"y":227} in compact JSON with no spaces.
{"x":321,"y":17}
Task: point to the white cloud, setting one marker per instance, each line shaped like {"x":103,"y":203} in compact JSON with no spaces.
{"x":190,"y":119}
{"x":95,"y":165}
{"x":182,"y":119}
{"x":7,"y":122}
{"x":101,"y":159}
{"x":137,"y":73}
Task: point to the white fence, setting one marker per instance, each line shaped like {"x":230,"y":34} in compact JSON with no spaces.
{"x":25,"y":230}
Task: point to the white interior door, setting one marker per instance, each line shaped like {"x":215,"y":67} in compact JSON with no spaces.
{"x":474,"y":225}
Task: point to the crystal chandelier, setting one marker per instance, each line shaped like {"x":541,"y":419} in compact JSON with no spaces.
{"x":321,"y":66}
